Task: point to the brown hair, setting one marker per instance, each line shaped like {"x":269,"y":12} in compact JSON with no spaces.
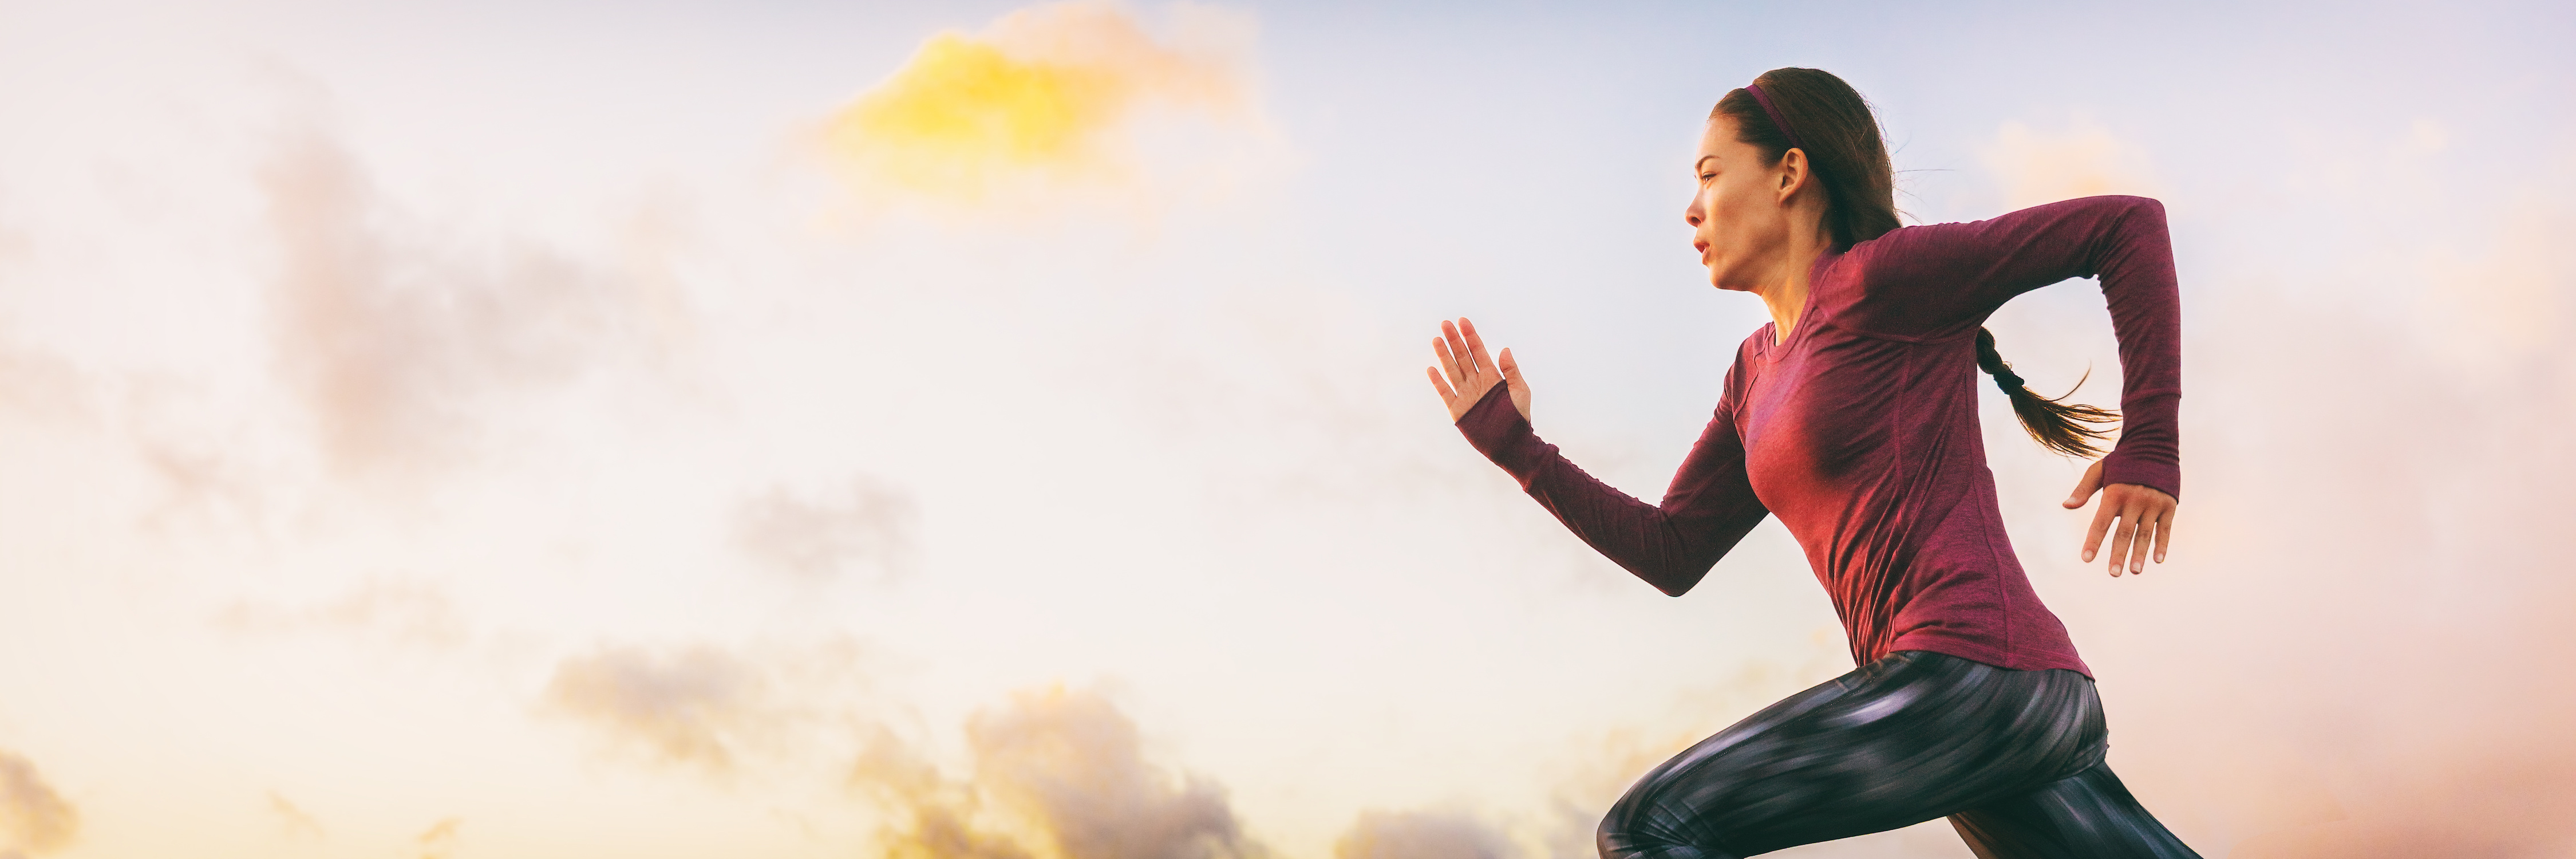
{"x":1847,"y":157}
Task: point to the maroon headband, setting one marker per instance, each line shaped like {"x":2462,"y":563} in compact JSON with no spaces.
{"x":1774,"y":113}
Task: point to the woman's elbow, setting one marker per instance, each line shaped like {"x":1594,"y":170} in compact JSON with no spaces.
{"x":1673,"y":582}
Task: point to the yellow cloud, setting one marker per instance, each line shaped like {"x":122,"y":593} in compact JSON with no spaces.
{"x":965,"y":103}
{"x":1047,"y":92}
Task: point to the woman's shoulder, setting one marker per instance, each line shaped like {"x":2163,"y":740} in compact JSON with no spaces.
{"x":2018,"y":224}
{"x":1921,"y":237}
{"x":1874,"y":286}
{"x":1755,"y":344}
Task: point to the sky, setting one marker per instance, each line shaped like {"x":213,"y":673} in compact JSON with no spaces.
{"x":997,"y":431}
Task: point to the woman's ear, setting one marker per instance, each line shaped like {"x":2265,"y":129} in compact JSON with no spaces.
{"x":1793,"y":173}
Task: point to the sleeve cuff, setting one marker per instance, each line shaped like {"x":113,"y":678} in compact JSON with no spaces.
{"x":1496,"y":429}
{"x":2165,"y":477}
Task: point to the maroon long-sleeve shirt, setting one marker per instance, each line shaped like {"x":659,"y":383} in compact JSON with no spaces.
{"x":1859,"y":430}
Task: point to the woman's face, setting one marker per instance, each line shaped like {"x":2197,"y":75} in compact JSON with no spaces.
{"x":1740,"y":216}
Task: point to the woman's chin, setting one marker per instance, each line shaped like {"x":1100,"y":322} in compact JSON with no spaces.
{"x":1721,"y":276}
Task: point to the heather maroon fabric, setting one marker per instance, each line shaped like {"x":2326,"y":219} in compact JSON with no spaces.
{"x":1860,"y":432}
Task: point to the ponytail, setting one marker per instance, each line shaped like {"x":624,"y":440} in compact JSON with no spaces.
{"x":2066,"y":429}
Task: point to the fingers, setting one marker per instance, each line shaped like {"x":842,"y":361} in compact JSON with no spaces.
{"x":1514,"y":385}
{"x":1449,"y":361}
{"x":1470,"y":371}
{"x":1441,"y":385}
{"x":2123,"y":537}
{"x":2164,"y":533}
{"x":1458,"y":350}
{"x":2146,"y":539}
{"x":2084,"y":488}
{"x":2144,"y":517}
{"x":2142,"y":533}
{"x":2102,"y":517}
{"x":1476,"y":345}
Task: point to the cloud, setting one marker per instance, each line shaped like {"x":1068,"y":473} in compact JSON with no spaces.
{"x":296,"y":822}
{"x":2083,"y":161}
{"x":1057,"y":773}
{"x":33,"y":818}
{"x":393,"y":340}
{"x":2427,"y":730}
{"x":40,"y":384}
{"x":866,"y":527}
{"x":439,"y":840}
{"x":407,"y":612}
{"x":939,"y":833}
{"x":1420,"y":835}
{"x":717,"y":710}
{"x":1079,"y":764}
{"x":2504,"y":307}
{"x":32,"y":381}
{"x":1047,"y":93}
{"x":698,"y":706}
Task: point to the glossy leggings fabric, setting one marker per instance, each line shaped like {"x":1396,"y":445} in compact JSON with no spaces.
{"x":2013,"y":758}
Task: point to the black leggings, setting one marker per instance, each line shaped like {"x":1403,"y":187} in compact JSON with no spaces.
{"x":2014,"y":758}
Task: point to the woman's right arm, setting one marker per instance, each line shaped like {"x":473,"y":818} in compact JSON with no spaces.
{"x":1709,"y":507}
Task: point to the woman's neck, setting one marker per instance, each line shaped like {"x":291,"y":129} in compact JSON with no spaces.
{"x":1787,"y":295}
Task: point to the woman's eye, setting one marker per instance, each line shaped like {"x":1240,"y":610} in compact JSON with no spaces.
{"x":1706,"y":176}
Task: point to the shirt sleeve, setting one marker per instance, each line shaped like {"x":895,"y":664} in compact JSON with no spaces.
{"x":1943,"y":280}
{"x":1707,"y":510}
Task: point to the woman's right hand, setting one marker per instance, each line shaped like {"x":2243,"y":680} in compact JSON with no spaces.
{"x":1467,"y":371}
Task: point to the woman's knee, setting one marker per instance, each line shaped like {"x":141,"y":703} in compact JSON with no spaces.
{"x":1626,"y":833}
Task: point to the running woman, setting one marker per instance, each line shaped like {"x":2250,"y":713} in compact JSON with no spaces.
{"x":1853,"y":417}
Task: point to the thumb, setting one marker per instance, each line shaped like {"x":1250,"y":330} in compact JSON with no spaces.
{"x":2086,"y":486}
{"x":1511,"y":371}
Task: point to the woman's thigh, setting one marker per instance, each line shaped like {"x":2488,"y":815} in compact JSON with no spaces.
{"x":1902,"y":740}
{"x":2089,"y":814}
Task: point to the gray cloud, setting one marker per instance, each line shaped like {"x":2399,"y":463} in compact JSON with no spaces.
{"x":394,"y":338}
{"x":1070,"y":768}
{"x":867,"y":528}
{"x":33,"y":818}
{"x":699,"y":706}
{"x":1080,"y":763}
{"x":398,"y":610}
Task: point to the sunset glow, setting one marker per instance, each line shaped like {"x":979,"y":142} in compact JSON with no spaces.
{"x":998,"y":431}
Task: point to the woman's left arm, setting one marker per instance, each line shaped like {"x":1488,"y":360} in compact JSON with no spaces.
{"x":1945,"y":279}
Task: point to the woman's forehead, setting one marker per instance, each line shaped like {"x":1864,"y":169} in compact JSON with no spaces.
{"x":1717,"y":139}
{"x":1719,"y":128}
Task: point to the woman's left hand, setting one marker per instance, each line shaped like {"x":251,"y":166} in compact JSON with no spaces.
{"x":2145,"y":514}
